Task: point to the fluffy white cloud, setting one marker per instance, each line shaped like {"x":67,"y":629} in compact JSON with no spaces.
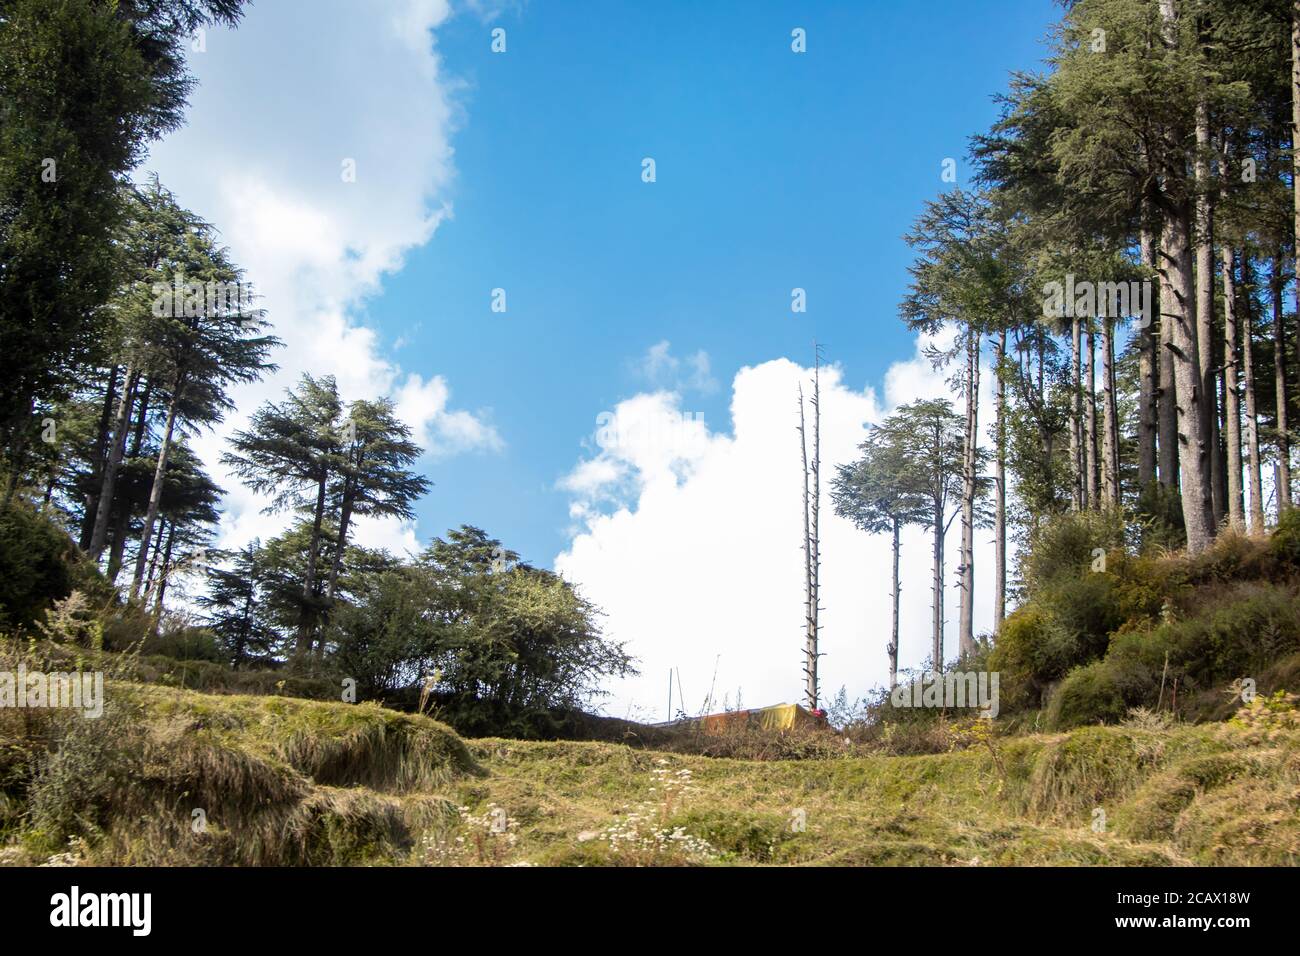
{"x":287,"y":104}
{"x":693,"y":548}
{"x":661,"y":369}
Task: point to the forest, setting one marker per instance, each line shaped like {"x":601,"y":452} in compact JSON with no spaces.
{"x":1110,"y":295}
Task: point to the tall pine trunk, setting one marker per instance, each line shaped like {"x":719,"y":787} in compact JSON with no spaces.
{"x":1180,"y":312}
{"x":1280,"y":386}
{"x":1000,"y":487}
{"x":1232,"y":400}
{"x":307,"y":619}
{"x":100,"y":456}
{"x":345,"y":518}
{"x":116,"y":451}
{"x":1109,"y":416}
{"x":1090,"y":417}
{"x":937,"y":610}
{"x":155,"y":492}
{"x":966,"y":635}
{"x":1295,"y":171}
{"x":1076,"y":418}
{"x":1148,"y":375}
{"x":1253,"y":473}
{"x":1204,"y":255}
{"x":164,"y":574}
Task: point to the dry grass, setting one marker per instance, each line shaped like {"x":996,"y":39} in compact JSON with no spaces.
{"x":293,"y":782}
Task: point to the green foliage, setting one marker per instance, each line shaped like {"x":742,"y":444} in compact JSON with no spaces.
{"x":185,"y":643}
{"x":1064,"y":547}
{"x":1239,"y":634}
{"x":511,"y":643}
{"x":86,"y":84}
{"x":1159,"y":517}
{"x":1284,"y":544}
{"x":39,"y":565}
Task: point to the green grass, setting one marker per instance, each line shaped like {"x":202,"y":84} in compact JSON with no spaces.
{"x":288,"y":781}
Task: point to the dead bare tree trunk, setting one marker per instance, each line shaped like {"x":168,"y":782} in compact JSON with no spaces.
{"x":811,"y":509}
{"x":815,"y":629}
{"x":893,"y":642}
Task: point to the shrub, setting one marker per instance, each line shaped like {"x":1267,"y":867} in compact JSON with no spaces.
{"x":1090,"y":694}
{"x":40,"y":564}
{"x":1284,"y":544}
{"x":1062,"y":547}
{"x":185,"y":643}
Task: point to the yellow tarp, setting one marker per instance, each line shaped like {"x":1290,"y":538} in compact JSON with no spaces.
{"x":776,"y":717}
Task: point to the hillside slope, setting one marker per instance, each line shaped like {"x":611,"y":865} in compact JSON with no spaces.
{"x":178,"y":777}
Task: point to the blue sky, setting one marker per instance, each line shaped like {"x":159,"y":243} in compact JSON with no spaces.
{"x":774,"y":171}
{"x":642,"y":301}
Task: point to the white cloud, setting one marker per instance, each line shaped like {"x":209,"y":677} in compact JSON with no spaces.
{"x":696,"y":559}
{"x":663,"y":370}
{"x":283,"y":102}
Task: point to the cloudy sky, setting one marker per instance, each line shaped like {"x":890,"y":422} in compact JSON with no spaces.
{"x":384,"y":176}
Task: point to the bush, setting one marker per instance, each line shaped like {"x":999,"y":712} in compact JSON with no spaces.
{"x":1284,"y":544}
{"x":1159,"y":518}
{"x":40,"y":564}
{"x":1244,"y":633}
{"x":185,"y":643}
{"x":1089,"y":695}
{"x":1063,"y":547}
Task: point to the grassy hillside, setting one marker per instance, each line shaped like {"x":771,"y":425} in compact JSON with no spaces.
{"x":1137,"y":666}
{"x":284,"y":781}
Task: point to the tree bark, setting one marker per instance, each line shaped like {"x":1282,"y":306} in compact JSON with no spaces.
{"x":815,"y":624}
{"x":336,"y":564}
{"x":966,"y":634}
{"x":100,"y":457}
{"x":1204,"y":254}
{"x":307,"y":619}
{"x":1280,"y":387}
{"x":893,"y":643}
{"x":1232,"y":401}
{"x":1076,"y":418}
{"x":1295,"y":175}
{"x":153,"y":557}
{"x":1109,"y":417}
{"x":1148,"y":376}
{"x":1180,"y":313}
{"x":156,"y":490}
{"x":937,"y":650}
{"x":1253,"y":473}
{"x":1090,"y":417}
{"x":99,"y":533}
{"x":164,"y":573}
{"x":1000,"y":487}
